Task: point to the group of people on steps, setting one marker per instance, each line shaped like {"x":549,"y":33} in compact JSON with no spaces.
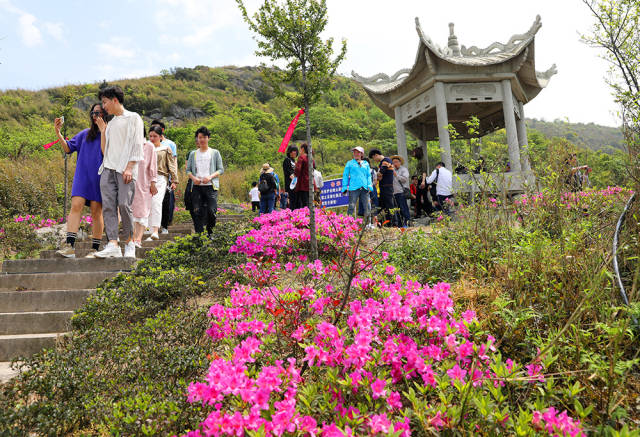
{"x":127,"y":176}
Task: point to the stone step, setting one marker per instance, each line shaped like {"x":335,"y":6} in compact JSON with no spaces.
{"x":24,"y":345}
{"x":163,"y":237}
{"x":58,"y":265}
{"x":81,"y":253}
{"x":87,"y":244}
{"x":6,"y":372}
{"x":52,"y":281}
{"x":34,"y":322}
{"x":42,"y":300}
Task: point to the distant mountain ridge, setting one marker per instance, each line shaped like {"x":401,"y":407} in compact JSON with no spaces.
{"x":589,"y":135}
{"x":185,"y":95}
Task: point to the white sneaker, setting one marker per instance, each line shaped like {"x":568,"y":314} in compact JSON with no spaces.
{"x":153,"y":237}
{"x":110,"y":251}
{"x":130,"y":250}
{"x":138,"y":244}
{"x":164,"y":231}
{"x":370,"y":226}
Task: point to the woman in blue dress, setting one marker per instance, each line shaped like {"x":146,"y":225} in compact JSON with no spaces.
{"x":86,"y":182}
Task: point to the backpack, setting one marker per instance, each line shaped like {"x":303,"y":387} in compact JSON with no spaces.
{"x":267,"y":183}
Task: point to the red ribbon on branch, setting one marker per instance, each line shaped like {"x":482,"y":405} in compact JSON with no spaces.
{"x":287,"y":136}
{"x":46,"y":146}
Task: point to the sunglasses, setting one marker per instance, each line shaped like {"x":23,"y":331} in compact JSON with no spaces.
{"x":93,"y":113}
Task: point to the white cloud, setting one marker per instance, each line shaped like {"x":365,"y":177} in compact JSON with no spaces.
{"x":117,"y":49}
{"x":29,"y":26}
{"x":30,"y":34}
{"x":55,"y":30}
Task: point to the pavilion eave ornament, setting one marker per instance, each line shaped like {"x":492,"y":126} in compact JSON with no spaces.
{"x":381,"y":78}
{"x":454,"y":54}
{"x":513,"y":44}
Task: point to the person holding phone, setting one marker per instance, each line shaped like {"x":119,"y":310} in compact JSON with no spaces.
{"x":85,"y":190}
{"x":121,"y":142}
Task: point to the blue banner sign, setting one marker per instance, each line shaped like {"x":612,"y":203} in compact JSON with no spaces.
{"x":331,"y":194}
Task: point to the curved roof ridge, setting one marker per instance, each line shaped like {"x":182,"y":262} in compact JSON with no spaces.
{"x":514,"y":42}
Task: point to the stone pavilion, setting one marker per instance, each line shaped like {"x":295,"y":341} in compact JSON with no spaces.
{"x":449,"y":85}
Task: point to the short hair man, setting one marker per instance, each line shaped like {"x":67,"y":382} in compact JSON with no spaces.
{"x":121,"y":143}
{"x":443,"y":179}
{"x":204,"y":167}
{"x":169,"y":201}
{"x":385,"y":176}
{"x":356,"y":180}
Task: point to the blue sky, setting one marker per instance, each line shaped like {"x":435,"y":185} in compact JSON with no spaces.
{"x":49,"y":43}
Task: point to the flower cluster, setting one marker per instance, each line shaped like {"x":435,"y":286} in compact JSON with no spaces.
{"x":385,"y":355}
{"x":570,"y":200}
{"x":35,"y":222}
{"x":286,"y":232}
{"x":557,"y":424}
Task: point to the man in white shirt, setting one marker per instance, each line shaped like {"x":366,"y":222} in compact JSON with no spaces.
{"x":121,"y":142}
{"x":443,"y":179}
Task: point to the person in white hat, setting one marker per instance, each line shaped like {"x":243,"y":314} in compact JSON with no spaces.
{"x":267,"y":187}
{"x":356,"y":180}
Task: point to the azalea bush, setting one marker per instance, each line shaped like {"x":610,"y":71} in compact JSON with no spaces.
{"x":298,"y":353}
{"x":538,"y":272}
{"x":402,"y":361}
{"x":285,"y":233}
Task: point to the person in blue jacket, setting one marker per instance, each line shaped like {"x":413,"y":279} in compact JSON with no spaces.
{"x":356,"y":179}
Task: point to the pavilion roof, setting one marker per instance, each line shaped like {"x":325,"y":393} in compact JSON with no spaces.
{"x":463,"y":59}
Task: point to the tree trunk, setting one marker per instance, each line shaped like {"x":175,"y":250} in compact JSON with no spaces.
{"x":312,"y":214}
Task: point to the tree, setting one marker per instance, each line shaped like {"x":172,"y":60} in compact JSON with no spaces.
{"x":617,"y":31}
{"x":290,"y":31}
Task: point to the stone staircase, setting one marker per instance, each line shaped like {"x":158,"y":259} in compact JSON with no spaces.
{"x":38,"y":296}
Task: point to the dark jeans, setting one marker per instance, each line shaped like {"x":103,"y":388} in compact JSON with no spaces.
{"x":255,"y":206}
{"x":168,"y":206}
{"x":388,"y":202}
{"x":405,"y":215}
{"x":302,"y":199}
{"x":293,"y":199}
{"x":422,"y":202}
{"x":205,"y":207}
{"x":267,"y":202}
{"x":444,"y":205}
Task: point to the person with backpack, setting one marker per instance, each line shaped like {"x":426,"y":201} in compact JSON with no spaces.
{"x":267,"y":187}
{"x":443,"y":179}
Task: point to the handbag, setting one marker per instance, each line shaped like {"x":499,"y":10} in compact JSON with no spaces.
{"x":188,"y":202}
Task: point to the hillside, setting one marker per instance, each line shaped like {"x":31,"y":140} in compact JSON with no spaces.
{"x":589,"y":135}
{"x":183,"y":95}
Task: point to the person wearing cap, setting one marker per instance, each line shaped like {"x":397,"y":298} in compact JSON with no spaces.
{"x":356,"y":180}
{"x":385,"y":182}
{"x":267,"y":186}
{"x":401,"y":188}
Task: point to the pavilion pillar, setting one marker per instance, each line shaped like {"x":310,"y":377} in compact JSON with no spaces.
{"x":443,"y":122}
{"x":523,"y":142}
{"x":510,"y":125}
{"x":423,"y":145}
{"x":401,"y":136}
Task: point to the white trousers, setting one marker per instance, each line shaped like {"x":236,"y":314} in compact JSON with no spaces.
{"x":155,"y":216}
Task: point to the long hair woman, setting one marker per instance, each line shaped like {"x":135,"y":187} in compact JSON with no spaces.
{"x":86,"y":181}
{"x":166,"y":167}
{"x":145,"y":190}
